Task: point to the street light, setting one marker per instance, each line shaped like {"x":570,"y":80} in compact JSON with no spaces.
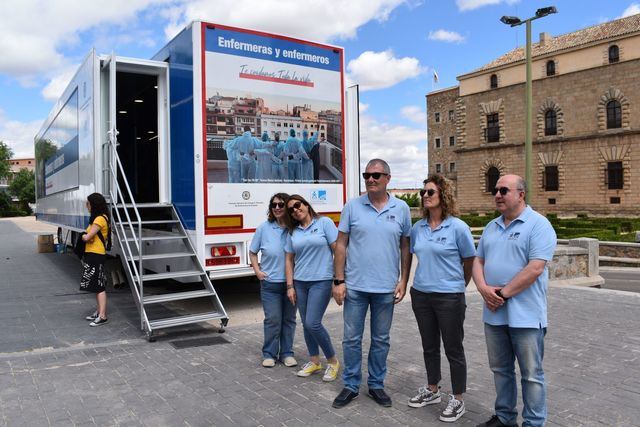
{"x":514,"y":21}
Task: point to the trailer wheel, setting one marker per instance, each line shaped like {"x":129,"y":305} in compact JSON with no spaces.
{"x":223,"y":324}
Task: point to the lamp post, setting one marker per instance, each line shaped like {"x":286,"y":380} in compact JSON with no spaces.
{"x":514,"y":21}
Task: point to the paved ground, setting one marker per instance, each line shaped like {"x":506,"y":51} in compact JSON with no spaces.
{"x":621,"y":278}
{"x":55,"y":370}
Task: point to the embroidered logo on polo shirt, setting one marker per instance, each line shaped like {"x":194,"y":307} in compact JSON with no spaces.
{"x":391,"y":218}
{"x":441,"y":240}
{"x":514,"y":236}
{"x":315,"y":230}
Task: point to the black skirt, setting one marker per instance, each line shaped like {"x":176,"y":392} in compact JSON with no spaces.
{"x":93,"y":275}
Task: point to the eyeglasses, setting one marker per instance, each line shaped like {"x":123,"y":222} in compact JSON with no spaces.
{"x":279,"y":205}
{"x":430,"y":192}
{"x":503,"y":190}
{"x":374,"y":175}
{"x":295,"y":206}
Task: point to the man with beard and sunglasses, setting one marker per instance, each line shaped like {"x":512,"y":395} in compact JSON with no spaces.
{"x":510,"y":272}
{"x":372,"y":263}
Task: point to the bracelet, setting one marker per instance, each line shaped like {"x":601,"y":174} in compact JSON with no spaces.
{"x":289,"y":287}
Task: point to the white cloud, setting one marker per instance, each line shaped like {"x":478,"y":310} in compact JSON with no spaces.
{"x":415,"y":114}
{"x":633,"y":9}
{"x":320,"y":20}
{"x":363,"y":107}
{"x":404,"y":148}
{"x":57,"y":85}
{"x":464,"y":5}
{"x":379,"y":70}
{"x":31,"y":48}
{"x":19,"y":135}
{"x":446,"y":36}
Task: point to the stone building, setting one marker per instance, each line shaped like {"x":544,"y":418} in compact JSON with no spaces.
{"x":586,"y":126}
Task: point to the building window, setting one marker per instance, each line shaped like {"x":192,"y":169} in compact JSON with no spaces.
{"x":614,"y":177}
{"x":452,"y":141}
{"x":493,"y":81}
{"x":492,"y":132}
{"x":437,"y":117}
{"x":614,"y":200}
{"x":438,"y":168}
{"x":614,"y":54}
{"x":614,"y":114}
{"x":552,"y":201}
{"x":550,"y":178}
{"x":492,"y":176}
{"x":551,"y":68}
{"x":550,"y":123}
{"x":438,"y":143}
{"x":452,"y":115}
{"x":452,"y":167}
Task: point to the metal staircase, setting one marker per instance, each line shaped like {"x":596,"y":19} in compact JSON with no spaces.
{"x":153,"y":246}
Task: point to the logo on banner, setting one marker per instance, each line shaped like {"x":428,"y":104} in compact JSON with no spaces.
{"x":246,"y":195}
{"x":319,"y":196}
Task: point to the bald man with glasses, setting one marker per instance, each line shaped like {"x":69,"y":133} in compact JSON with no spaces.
{"x":372,"y":263}
{"x":510,"y":272}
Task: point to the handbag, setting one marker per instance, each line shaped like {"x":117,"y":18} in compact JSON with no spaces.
{"x":79,"y":246}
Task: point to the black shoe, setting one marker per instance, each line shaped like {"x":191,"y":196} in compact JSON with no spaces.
{"x":380,"y":397}
{"x":494,"y":421}
{"x":344,"y":398}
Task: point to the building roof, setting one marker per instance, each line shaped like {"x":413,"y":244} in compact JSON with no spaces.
{"x":612,"y":29}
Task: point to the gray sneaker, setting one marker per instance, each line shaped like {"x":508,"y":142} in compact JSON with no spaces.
{"x":454,"y":410}
{"x":425,"y":397}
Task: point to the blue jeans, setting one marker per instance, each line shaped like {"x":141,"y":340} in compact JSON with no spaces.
{"x":504,"y":346}
{"x":313,"y":298}
{"x":279,"y":320}
{"x":356,"y":305}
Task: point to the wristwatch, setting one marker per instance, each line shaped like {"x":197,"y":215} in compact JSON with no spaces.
{"x":499,"y":293}
{"x":338,"y":282}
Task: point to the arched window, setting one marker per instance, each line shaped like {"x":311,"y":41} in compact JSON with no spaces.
{"x":614,"y":114}
{"x":493,"y":80}
{"x":614,"y":54}
{"x":550,"y":123}
{"x":551,"y":68}
{"x":491,"y":178}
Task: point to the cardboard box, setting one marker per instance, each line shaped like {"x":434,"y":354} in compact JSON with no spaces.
{"x":45,"y":243}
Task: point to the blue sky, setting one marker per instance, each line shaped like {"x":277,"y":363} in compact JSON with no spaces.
{"x":391,"y":46}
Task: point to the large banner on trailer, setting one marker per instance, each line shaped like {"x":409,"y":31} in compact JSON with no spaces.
{"x":273,"y":110}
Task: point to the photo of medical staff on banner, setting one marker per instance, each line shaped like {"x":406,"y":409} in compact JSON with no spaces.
{"x":273,"y":110}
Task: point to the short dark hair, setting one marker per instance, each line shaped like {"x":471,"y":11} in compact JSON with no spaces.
{"x":293,"y":224}
{"x":247,"y":128}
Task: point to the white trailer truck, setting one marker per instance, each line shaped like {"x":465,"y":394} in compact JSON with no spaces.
{"x":189,"y":146}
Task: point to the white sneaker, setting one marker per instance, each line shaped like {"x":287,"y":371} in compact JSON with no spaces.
{"x":92,"y":316}
{"x":425,"y":397}
{"x":268,"y":363}
{"x":454,"y":410}
{"x":98,"y":321}
{"x":290,"y":361}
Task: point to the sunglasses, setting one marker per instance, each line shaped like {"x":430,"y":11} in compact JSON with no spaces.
{"x":374,"y":175}
{"x":502,"y":190}
{"x":277,"y":205}
{"x":430,"y":192}
{"x":295,"y":206}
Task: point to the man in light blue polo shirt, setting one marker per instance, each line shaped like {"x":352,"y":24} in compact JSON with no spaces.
{"x":511,"y":274}
{"x":373,"y":242}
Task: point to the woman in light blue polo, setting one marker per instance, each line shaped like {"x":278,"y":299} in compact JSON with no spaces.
{"x":279,"y":312}
{"x":309,"y":271}
{"x":444,"y":248}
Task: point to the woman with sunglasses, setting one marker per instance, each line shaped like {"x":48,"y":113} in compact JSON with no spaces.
{"x":279,"y":313}
{"x":445,"y":250}
{"x":309,"y":270}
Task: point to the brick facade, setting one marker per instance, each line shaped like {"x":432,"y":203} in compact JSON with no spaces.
{"x":581,"y":149}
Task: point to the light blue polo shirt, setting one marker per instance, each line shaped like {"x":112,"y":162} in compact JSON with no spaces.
{"x":373,"y":252}
{"x":440,"y":253}
{"x":270,"y":239}
{"x":506,"y":251}
{"x":313,"y":256}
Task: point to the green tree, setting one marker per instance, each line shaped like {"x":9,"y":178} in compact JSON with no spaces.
{"x":5,"y":155}
{"x":23,"y":187}
{"x":412,"y":199}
